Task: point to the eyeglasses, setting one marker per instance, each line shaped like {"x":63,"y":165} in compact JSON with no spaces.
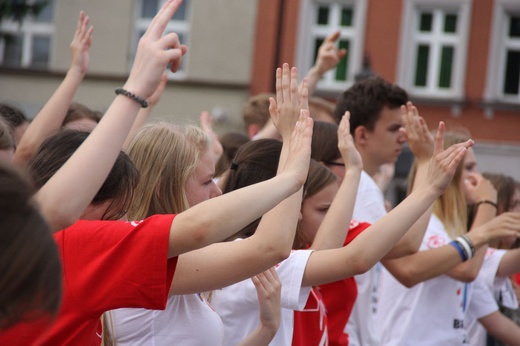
{"x":332,"y":163}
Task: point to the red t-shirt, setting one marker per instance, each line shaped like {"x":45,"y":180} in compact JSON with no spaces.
{"x":339,"y":297}
{"x":328,"y":307}
{"x":106,"y":265}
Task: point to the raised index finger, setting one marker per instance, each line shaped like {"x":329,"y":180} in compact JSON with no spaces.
{"x":158,"y":25}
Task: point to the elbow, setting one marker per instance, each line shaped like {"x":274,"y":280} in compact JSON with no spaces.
{"x":58,"y":218}
{"x":468,"y":276}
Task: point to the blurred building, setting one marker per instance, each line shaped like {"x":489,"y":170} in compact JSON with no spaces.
{"x":458,"y":59}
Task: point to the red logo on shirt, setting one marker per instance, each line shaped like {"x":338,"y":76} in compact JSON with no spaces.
{"x":435,"y":241}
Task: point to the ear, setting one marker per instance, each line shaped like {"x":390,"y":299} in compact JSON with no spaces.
{"x":252,"y":130}
{"x":360,"y":135}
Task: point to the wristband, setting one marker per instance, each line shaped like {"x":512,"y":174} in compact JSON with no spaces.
{"x":470,"y":243}
{"x":459,"y":249}
{"x":465,"y":246}
{"x":141,"y":101}
{"x":486,"y":201}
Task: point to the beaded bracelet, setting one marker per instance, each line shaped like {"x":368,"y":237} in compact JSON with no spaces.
{"x":459,"y":249}
{"x":470,"y":243}
{"x":141,"y":101}
{"x":486,"y":201}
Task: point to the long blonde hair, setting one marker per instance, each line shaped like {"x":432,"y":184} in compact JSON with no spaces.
{"x":165,"y":155}
{"x":451,"y":207}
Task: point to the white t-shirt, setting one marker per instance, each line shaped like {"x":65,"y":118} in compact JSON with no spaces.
{"x":430,"y":313}
{"x":187,"y":320}
{"x":361,"y":326}
{"x":237,"y":304}
{"x":496,"y":287}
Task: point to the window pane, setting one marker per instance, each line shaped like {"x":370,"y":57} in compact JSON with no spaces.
{"x":149,"y":8}
{"x":346,"y":17}
{"x":421,"y":68}
{"x":317,"y":44}
{"x":450,"y":23}
{"x":425,"y":22}
{"x":342,"y":67}
{"x":46,"y":14}
{"x":446,"y":67}
{"x":323,"y":15}
{"x":13,"y":50}
{"x":514,"y":28}
{"x":512,"y":75}
{"x":40,"y":52}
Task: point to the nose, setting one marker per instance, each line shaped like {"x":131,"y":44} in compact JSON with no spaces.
{"x":215,"y":191}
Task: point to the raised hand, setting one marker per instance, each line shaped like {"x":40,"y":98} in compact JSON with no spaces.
{"x":444,"y":162}
{"x":155,"y":52}
{"x":328,"y":54}
{"x":300,"y":148}
{"x":289,"y":101}
{"x":349,"y":153}
{"x":206,"y":123}
{"x":80,"y":45}
{"x":419,"y":138}
{"x":269,"y":289}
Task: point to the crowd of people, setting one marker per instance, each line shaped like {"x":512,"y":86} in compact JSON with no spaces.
{"x":116,"y":230}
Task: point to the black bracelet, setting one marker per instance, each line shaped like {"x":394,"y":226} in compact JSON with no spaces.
{"x":141,"y":101}
{"x":470,"y":243}
{"x":486,"y":201}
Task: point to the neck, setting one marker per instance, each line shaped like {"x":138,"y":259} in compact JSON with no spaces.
{"x":369,"y":166}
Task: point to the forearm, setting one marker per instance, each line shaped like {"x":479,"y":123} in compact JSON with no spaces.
{"x":502,"y":328}
{"x":509,"y":264}
{"x":142,"y":115}
{"x":49,"y":119}
{"x":261,"y":336}
{"x":83,"y":174}
{"x":313,"y":77}
{"x":217,"y":219}
{"x":334,"y":228}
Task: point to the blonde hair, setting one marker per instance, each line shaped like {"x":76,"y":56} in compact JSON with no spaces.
{"x":165,"y":156}
{"x":451,"y":207}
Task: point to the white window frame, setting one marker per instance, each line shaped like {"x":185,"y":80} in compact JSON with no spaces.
{"x":307,"y":34}
{"x":28,"y":29}
{"x":180,"y":27}
{"x":410,"y":37}
{"x":497,"y":52}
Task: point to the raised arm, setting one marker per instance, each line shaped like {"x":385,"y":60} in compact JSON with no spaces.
{"x":424,"y":265}
{"x":66,"y":195}
{"x":372,"y":244}
{"x":206,"y":123}
{"x":328,"y":57}
{"x":334,"y":227}
{"x":50,"y":117}
{"x":421,"y":144}
{"x":218,"y":218}
{"x":144,"y":113}
{"x":269,"y":289}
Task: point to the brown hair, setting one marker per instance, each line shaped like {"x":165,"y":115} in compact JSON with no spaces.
{"x":231,"y":142}
{"x":324,"y":146}
{"x":29,"y":261}
{"x":505,"y":186}
{"x":365,"y":100}
{"x":118,"y":186}
{"x":78,"y":111}
{"x":256,"y":110}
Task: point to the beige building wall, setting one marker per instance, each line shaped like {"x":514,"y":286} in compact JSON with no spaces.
{"x":218,"y":70}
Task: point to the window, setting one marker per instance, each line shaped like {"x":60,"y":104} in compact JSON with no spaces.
{"x":318,"y":19}
{"x":503,"y":78}
{"x":180,"y":24}
{"x":28,"y":44}
{"x":433,"y":48}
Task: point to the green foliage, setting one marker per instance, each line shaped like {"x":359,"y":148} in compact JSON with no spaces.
{"x":17,"y":10}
